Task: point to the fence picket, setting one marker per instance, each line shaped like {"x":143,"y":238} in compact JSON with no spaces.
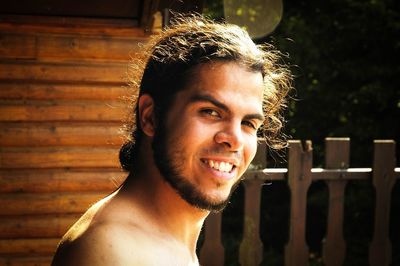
{"x":337,"y":156}
{"x":299,"y":180}
{"x":383,"y":177}
{"x":251,"y":247}
{"x":212,"y":251}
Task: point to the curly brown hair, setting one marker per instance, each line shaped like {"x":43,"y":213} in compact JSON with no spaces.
{"x":164,"y":67}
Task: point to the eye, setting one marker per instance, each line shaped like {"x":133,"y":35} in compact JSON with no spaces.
{"x":250,"y":125}
{"x":210,"y":112}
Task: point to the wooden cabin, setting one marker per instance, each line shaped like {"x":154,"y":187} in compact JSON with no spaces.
{"x":63,"y":76}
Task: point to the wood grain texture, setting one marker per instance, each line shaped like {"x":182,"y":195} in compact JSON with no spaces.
{"x":337,"y":156}
{"x":13,"y":46}
{"x":60,"y":134}
{"x":62,"y":111}
{"x":67,"y":157}
{"x":251,"y":247}
{"x":212,"y":251}
{"x":71,"y":25}
{"x":25,"y":260}
{"x":49,"y":203}
{"x":28,"y":247}
{"x":54,"y":91}
{"x":60,"y":180}
{"x":299,"y":180}
{"x":86,"y":48}
{"x":36,"y":226}
{"x":380,"y":252}
{"x":68,"y":47}
{"x":62,"y":102}
{"x":97,"y":72}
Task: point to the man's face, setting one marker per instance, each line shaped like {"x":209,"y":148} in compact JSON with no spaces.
{"x":209,"y":136}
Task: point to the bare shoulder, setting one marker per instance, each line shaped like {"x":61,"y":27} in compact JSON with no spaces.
{"x":104,"y":235}
{"x":113,"y":232}
{"x":104,"y":244}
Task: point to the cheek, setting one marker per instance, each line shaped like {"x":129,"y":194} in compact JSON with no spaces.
{"x":199,"y":131}
{"x":251,"y":149}
{"x":190,"y":133}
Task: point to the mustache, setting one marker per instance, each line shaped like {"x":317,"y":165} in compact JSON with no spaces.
{"x":220,"y":151}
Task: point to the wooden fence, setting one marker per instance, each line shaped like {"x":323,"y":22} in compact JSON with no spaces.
{"x":299,"y":176}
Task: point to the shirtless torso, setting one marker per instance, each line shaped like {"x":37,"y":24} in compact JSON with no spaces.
{"x":117,"y":231}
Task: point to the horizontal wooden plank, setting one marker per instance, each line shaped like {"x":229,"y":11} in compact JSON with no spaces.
{"x":62,"y":111}
{"x":67,"y":47}
{"x":272,"y":174}
{"x":50,"y":91}
{"x":17,"y":46}
{"x":341,"y":174}
{"x":74,"y":47}
{"x":48,"y":203}
{"x":103,"y":9}
{"x":60,"y":134}
{"x":60,"y":180}
{"x":26,"y":260}
{"x":66,"y":157}
{"x":72,"y":25}
{"x":24,"y":247}
{"x":36,"y":226}
{"x":99,"y":72}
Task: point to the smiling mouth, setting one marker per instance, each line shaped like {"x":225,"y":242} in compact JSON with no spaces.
{"x":225,"y":167}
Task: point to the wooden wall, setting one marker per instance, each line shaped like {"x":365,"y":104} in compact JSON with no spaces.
{"x":60,"y":113}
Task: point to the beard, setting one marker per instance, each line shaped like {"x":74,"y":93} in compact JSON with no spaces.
{"x":170,"y":163}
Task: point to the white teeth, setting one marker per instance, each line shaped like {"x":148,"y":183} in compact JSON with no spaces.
{"x":220,"y":166}
{"x":223,"y":166}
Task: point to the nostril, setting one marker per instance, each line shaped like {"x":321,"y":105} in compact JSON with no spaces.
{"x":223,"y":138}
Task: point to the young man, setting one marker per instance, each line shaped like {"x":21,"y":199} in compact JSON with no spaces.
{"x":206,"y":92}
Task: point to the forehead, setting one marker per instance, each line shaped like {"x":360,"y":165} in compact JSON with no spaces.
{"x":228,"y":82}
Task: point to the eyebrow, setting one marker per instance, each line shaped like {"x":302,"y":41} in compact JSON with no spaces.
{"x":212,"y":100}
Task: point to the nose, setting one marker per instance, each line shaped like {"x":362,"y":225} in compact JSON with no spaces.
{"x":231,"y":136}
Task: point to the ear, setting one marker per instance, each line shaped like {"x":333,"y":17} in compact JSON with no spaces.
{"x":146,"y":114}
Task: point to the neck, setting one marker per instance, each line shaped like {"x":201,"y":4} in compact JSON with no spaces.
{"x":165,"y":210}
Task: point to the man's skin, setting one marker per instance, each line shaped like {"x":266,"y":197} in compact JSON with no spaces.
{"x":146,"y":222}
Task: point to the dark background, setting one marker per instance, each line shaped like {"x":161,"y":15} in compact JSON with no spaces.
{"x":344,"y":55}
